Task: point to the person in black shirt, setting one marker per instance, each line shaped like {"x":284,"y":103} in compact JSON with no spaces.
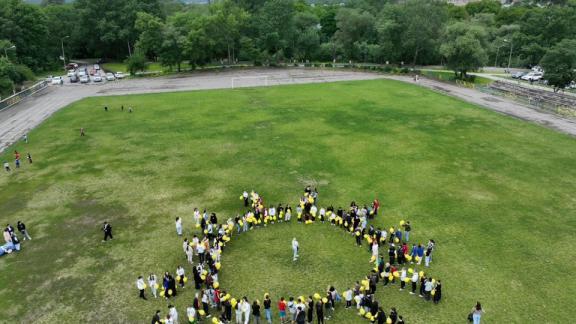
{"x":438,"y":292}
{"x":393,"y":315}
{"x":310,"y":310}
{"x":22,"y":229}
{"x":107,"y":229}
{"x":381,"y":316}
{"x":156,"y":318}
{"x":256,"y":312}
{"x":320,"y":312}
{"x":213,"y":219}
{"x":227,"y":310}
{"x":300,"y":316}
{"x":392,"y":253}
{"x":267,"y":308}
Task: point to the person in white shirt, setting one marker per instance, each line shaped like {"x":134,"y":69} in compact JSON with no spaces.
{"x":322,"y":214}
{"x":313,"y":211}
{"x":181,"y":273}
{"x":197,"y":217}
{"x":348,"y":297}
{"x":402,"y":278}
{"x":152,"y":282}
{"x":141,"y":286}
{"x":179,"y":226}
{"x":246,"y":310}
{"x":295,"y":248}
{"x":375,"y":249}
{"x":173,"y":314}
{"x":272,"y":212}
{"x":191,"y":313}
{"x":414,"y":281}
{"x":189,"y":254}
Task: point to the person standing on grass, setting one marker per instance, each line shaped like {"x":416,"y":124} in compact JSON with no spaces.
{"x":246,"y":309}
{"x":152,"y":281}
{"x":320,"y":312}
{"x":82,"y":132}
{"x":292,"y":309}
{"x":6,"y":166}
{"x":310,"y":309}
{"x":282,"y":309}
{"x":173,"y":314}
{"x":29,"y":157}
{"x":256,"y":311}
{"x":476,"y":313}
{"x":407,"y":229}
{"x":156,"y":318}
{"x":179,"y":226}
{"x":437,"y":292}
{"x":431,"y":245}
{"x":106,"y":108}
{"x":268,"y":308}
{"x":245,"y":197}
{"x":107,"y":229}
{"x":295,"y":248}
{"x":414,"y":281}
{"x":25,"y":138}
{"x":180,"y":273}
{"x":141,"y":287}
{"x":191,"y":314}
{"x":205,"y":303}
{"x":189,"y":254}
{"x":22,"y":229}
{"x":428,"y":286}
{"x":300,"y":316}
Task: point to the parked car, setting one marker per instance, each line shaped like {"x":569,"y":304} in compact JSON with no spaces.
{"x":82,"y":73}
{"x":71,"y":73}
{"x":49,"y":78}
{"x":110,"y":76}
{"x":84,"y":79}
{"x":57,"y":80}
{"x":71,"y":66}
{"x":74,"y":78}
{"x":97,"y":67}
{"x":120,"y":75}
{"x":97,"y":78}
{"x":572,"y":85}
{"x":518,"y":75}
{"x":532,"y":76}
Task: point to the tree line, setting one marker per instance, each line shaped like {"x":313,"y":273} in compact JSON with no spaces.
{"x":407,"y":32}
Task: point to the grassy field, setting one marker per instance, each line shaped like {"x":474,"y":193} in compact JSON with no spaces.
{"x":497,"y":194}
{"x":449,"y":76}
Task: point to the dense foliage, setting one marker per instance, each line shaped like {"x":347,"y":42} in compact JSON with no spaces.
{"x":267,"y":32}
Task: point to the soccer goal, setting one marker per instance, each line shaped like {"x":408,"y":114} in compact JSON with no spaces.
{"x":250,"y":81}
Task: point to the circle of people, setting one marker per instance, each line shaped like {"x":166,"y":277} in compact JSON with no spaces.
{"x":208,"y":251}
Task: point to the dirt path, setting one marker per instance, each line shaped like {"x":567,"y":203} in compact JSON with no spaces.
{"x":496,"y":103}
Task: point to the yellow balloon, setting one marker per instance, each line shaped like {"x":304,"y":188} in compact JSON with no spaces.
{"x":156,"y":286}
{"x":203,"y":277}
{"x":177,"y":278}
{"x":396,"y":274}
{"x":145,"y":286}
{"x":201,"y":312}
{"x":185,"y":279}
{"x":191,"y":318}
{"x":388,"y":320}
{"x":317,"y":296}
{"x":362,"y":311}
{"x":218,"y":265}
{"x":205,"y":231}
{"x":396,"y":240}
{"x":391,"y":230}
{"x":390,"y":277}
{"x":169,"y":292}
{"x":410,"y":270}
{"x":162,"y":293}
{"x":216,"y":285}
{"x":215,"y":320}
{"x":324,"y":300}
{"x":409,"y":257}
{"x":402,"y":223}
{"x":197,"y":225}
{"x":433,"y":292}
{"x":421,"y":273}
{"x":368,"y":315}
{"x":357,"y":233}
{"x":406,"y":280}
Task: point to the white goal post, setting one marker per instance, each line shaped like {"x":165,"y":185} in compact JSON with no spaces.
{"x":250,"y":81}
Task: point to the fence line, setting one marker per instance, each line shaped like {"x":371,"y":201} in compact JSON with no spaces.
{"x":16,"y":98}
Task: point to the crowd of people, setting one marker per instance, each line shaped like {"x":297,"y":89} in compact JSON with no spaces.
{"x":203,"y":254}
{"x":17,"y":160}
{"x":11,"y":240}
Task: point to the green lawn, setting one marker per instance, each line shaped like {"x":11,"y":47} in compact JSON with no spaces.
{"x":450,"y":77}
{"x":496,"y":193}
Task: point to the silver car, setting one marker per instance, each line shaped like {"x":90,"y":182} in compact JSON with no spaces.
{"x":97,"y":78}
{"x":110,"y":76}
{"x":84,"y":79}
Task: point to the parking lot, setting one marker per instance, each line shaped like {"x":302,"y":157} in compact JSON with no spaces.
{"x":85,"y":74}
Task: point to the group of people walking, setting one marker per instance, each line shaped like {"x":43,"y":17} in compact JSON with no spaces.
{"x":17,"y":161}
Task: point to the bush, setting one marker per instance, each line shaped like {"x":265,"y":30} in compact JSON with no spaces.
{"x":328,"y":65}
{"x":317,"y":65}
{"x":387,"y":69}
{"x":405,"y":70}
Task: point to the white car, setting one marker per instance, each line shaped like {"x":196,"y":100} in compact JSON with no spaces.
{"x":110,"y":76}
{"x":71,"y":73}
{"x":533,"y":76}
{"x":120,"y":75}
{"x":97,"y":78}
{"x":96,"y":67}
{"x":84,"y":79}
{"x":57,"y":81}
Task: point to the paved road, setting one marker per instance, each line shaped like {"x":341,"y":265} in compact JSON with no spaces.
{"x":18,"y":120}
{"x":496,"y":103}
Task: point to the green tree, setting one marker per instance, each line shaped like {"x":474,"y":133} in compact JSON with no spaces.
{"x":463,"y":49}
{"x":136,"y":63}
{"x":559,"y":64}
{"x":173,"y":48}
{"x":354,"y":26}
{"x":151,"y":33}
